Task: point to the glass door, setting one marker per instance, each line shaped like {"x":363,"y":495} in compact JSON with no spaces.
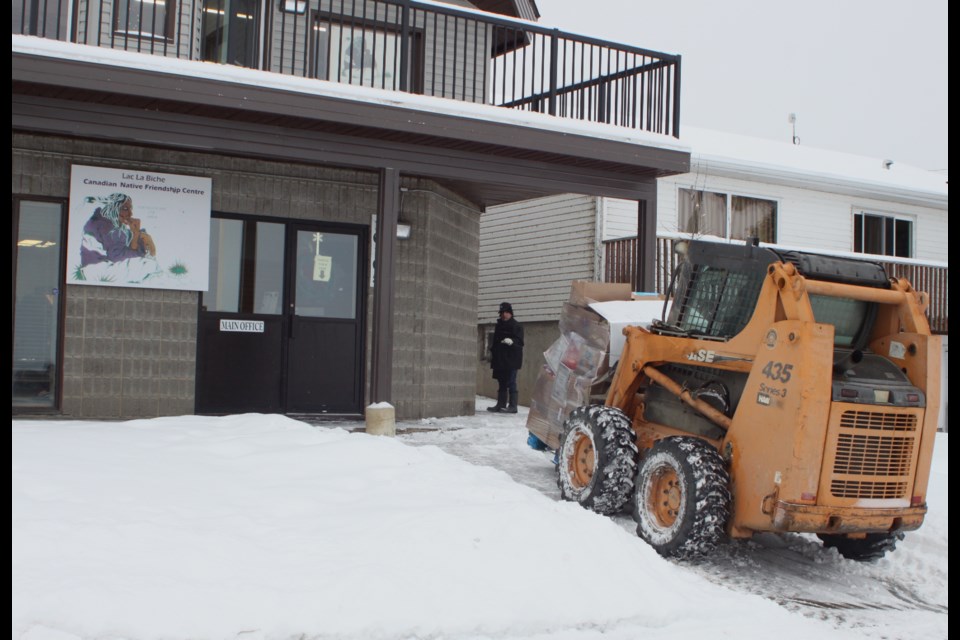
{"x":281,"y":326}
{"x":325,"y":343}
{"x":37,"y":304}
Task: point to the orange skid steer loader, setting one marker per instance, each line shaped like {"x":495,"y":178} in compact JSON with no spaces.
{"x":784,"y":392}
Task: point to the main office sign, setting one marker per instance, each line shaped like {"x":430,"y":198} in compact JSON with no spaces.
{"x":134,"y":228}
{"x":243,"y":326}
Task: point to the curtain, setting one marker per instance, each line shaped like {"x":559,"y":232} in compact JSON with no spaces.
{"x":702,"y":213}
{"x":753,"y":217}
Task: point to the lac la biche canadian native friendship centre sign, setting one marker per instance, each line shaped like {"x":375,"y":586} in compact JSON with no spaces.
{"x":134,"y":228}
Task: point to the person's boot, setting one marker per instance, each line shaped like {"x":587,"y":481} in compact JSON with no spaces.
{"x":512,"y":407}
{"x":501,"y":402}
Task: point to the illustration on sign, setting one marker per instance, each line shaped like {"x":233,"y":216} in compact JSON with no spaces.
{"x":138,"y":229}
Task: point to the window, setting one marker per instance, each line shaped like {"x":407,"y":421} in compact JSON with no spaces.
{"x":230,"y":32}
{"x":246,"y":267}
{"x":726,"y":216}
{"x":150,"y":18}
{"x":882,"y":235}
{"x":367,"y":56}
{"x":38,"y":261}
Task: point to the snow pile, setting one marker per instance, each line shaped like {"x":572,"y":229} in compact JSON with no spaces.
{"x":259,"y":526}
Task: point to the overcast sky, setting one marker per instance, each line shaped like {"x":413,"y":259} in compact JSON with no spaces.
{"x":863,"y":76}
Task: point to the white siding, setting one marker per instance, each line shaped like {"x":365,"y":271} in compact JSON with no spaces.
{"x":620,"y":218}
{"x":530,"y":252}
{"x":809,"y":218}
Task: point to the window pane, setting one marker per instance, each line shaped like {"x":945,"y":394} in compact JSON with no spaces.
{"x":146,"y":17}
{"x":858,"y":233}
{"x":268,"y":278}
{"x":702,"y":213}
{"x":37,"y":311}
{"x":847,"y":316}
{"x":888,"y":236}
{"x":230,"y":29}
{"x":326,"y":275}
{"x":352,"y":54}
{"x":904,"y":241}
{"x":752,"y":217}
{"x":873,"y":234}
{"x":226,"y":243}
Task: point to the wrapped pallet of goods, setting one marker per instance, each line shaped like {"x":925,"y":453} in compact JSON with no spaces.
{"x":576,"y":366}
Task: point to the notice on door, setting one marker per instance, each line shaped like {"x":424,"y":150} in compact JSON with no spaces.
{"x":245,"y":326}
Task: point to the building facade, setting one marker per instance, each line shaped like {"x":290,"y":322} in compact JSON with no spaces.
{"x":345,"y":153}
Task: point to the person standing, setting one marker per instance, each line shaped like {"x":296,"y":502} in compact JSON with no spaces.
{"x":506,"y":359}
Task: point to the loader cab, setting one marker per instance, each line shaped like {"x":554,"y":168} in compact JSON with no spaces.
{"x":715,"y":291}
{"x":715,"y":288}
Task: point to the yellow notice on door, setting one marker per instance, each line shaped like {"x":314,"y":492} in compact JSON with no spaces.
{"x":321,"y":268}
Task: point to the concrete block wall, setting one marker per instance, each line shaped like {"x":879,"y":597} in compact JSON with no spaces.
{"x":434,"y":360}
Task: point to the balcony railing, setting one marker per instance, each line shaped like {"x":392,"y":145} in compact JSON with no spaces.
{"x":397,"y":45}
{"x":620,"y":265}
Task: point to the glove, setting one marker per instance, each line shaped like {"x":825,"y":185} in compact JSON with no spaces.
{"x":507,"y":341}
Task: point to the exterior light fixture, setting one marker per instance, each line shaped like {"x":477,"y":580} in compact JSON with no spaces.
{"x":403,"y":231}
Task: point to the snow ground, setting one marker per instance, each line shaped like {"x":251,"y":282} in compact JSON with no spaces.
{"x":259,"y":526}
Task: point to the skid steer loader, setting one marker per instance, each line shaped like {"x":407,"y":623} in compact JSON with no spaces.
{"x":783,"y":392}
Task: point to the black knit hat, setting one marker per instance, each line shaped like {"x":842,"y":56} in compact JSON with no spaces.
{"x":505,"y":306}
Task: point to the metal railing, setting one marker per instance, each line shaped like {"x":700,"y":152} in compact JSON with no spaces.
{"x":396,"y":45}
{"x":620,"y":265}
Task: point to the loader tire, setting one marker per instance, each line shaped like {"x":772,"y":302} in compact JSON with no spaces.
{"x":682,"y":499}
{"x":873,"y":547}
{"x":597,"y":459}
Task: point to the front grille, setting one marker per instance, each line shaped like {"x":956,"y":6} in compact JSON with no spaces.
{"x":874,"y":454}
{"x":877,"y":490}
{"x":878,"y":421}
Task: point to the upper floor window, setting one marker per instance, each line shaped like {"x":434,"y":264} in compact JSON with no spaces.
{"x":883,"y":235}
{"x":364,"y":54}
{"x":230,"y":31}
{"x":150,"y":18}
{"x":726,"y":216}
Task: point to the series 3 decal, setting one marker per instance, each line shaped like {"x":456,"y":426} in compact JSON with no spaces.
{"x":778,"y":372}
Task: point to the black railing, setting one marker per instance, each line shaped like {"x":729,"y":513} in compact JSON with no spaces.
{"x":395,"y":45}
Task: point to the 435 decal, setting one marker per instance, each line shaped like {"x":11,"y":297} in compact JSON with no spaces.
{"x":779,"y":371}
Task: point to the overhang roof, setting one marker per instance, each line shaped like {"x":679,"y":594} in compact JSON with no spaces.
{"x":491,"y":155}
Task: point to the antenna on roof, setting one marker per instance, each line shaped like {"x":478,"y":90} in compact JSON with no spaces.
{"x":793,"y":121}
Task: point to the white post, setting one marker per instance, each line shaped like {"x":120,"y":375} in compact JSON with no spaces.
{"x":381,"y":419}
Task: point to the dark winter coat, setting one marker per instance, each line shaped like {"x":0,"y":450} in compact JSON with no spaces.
{"x":503,"y":356}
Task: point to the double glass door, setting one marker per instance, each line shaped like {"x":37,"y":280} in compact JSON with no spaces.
{"x":281,"y":326}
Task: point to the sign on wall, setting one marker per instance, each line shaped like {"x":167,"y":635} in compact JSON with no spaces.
{"x":133,"y":228}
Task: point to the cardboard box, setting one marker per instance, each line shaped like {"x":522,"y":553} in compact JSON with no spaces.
{"x":583,"y":292}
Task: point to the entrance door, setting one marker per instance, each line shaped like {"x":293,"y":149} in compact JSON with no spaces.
{"x":323,"y":363}
{"x":280,"y":328}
